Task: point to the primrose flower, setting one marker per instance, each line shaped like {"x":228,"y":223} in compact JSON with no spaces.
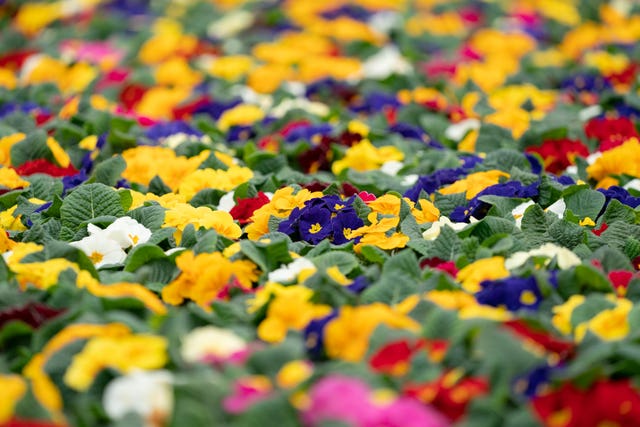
{"x":436,"y":227}
{"x":13,"y":389}
{"x":483,"y":269}
{"x":518,"y":212}
{"x":101,"y":250}
{"x":146,"y":393}
{"x":289,"y":273}
{"x":126,"y":231}
{"x":211,"y":343}
{"x":564,"y":257}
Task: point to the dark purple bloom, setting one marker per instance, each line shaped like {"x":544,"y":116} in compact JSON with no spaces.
{"x":349,"y":11}
{"x":345,"y":221}
{"x":621,"y":195}
{"x":375,"y":102}
{"x":308,"y":132}
{"x":314,"y":335}
{"x":585,"y":83}
{"x":531,"y":383}
{"x":359,"y":284}
{"x":165,"y":129}
{"x":315,"y":225}
{"x":536,"y":166}
{"x":564,"y":180}
{"x":214,"y":109}
{"x":515,"y":293}
{"x":478,"y":209}
{"x":430,"y":183}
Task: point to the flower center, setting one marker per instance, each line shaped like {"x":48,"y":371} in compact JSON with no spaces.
{"x":96,"y":257}
{"x":315,"y":228}
{"x":134,"y":239}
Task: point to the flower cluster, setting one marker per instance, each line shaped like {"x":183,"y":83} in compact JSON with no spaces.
{"x":363,"y":213}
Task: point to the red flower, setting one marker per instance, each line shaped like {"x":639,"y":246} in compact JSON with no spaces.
{"x":15,"y":59}
{"x":33,"y":314}
{"x":366,"y":197}
{"x":558,"y":154}
{"x":30,"y":423}
{"x":603,"y":403}
{"x":624,"y":77}
{"x":449,"y":394}
{"x":610,"y":132}
{"x":448,"y":267}
{"x":620,"y":280}
{"x":541,"y":338}
{"x":131,"y":95}
{"x":43,"y":166}
{"x":185,"y":111}
{"x":600,"y":230}
{"x":244,"y":208}
{"x":394,"y":357}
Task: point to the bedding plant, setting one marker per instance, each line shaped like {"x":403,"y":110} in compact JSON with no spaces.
{"x":298,"y":213}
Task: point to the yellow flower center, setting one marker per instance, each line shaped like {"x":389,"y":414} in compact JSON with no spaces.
{"x":134,"y":239}
{"x":315,"y":228}
{"x":528,"y":298}
{"x":96,"y":257}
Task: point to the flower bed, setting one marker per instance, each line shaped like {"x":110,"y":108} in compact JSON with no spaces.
{"x":366,"y":213}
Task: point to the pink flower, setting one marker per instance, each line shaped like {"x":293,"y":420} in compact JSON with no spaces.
{"x":94,"y":52}
{"x":340,"y":398}
{"x":407,"y":412}
{"x":246,"y":392}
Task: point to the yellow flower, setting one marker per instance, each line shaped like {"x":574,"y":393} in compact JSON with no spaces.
{"x":293,"y":373}
{"x":10,"y":179}
{"x":176,"y":72}
{"x":623,"y":159}
{"x":443,"y":24}
{"x":364,"y":156}
{"x":289,"y":309}
{"x":61,"y":156}
{"x":428,"y":212}
{"x":121,"y":290}
{"x":20,"y":250}
{"x":581,"y":38}
{"x":608,"y":325}
{"x":168,"y":200}
{"x":184,"y":214}
{"x":267,"y":78}
{"x":12,"y":388}
{"x":607,"y":63}
{"x":8,"y":79}
{"x":466,"y":305}
{"x":42,"y":274}
{"x":474,"y":183}
{"x":123,"y":354}
{"x":44,"y":389}
{"x":33,"y":17}
{"x":347,"y":336}
{"x":201,"y":179}
{"x":514,"y":96}
{"x":318,"y":67}
{"x":562,"y":313}
{"x":565,"y":12}
{"x":205,"y":275}
{"x":10,"y":222}
{"x":244,"y":114}
{"x":82,"y":331}
{"x":168,"y":40}
{"x":159,"y":102}
{"x":484,"y":269}
{"x":515,"y":119}
{"x":230,"y":67}
{"x":169,"y":167}
{"x":6,"y":143}
{"x":491,"y":42}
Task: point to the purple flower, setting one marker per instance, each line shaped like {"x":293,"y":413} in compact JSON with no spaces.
{"x":308,"y":132}
{"x":165,"y":129}
{"x":315,"y":225}
{"x":345,"y":221}
{"x":349,"y":11}
{"x":585,"y":83}
{"x":430,"y":183}
{"x":515,"y":293}
{"x":314,"y":336}
{"x":375,"y":102}
{"x":620,"y":194}
{"x":214,"y":109}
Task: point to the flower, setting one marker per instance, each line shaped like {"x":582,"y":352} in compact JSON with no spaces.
{"x":12,"y":390}
{"x":290,"y":272}
{"x":484,"y":269}
{"x":183,"y":214}
{"x":244,"y":208}
{"x":211,"y":343}
{"x":100,"y":249}
{"x":514,"y":293}
{"x":204,"y":276}
{"x":246,"y":392}
{"x":126,"y":231}
{"x":124,"y":354}
{"x":564,"y":257}
{"x":363,"y":156}
{"x":146,"y":393}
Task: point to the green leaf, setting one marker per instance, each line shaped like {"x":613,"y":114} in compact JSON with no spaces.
{"x":268,"y":256}
{"x":109,"y":171}
{"x":44,"y":187}
{"x":492,"y":138}
{"x":88,"y":202}
{"x":585,"y":203}
{"x":151,"y":216}
{"x":32,"y":147}
{"x":345,"y":261}
{"x":141,"y":255}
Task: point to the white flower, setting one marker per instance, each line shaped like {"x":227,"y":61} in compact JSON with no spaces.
{"x":227,"y":202}
{"x":557,"y":208}
{"x":385,"y":62}
{"x":434,"y":231}
{"x":316,"y":108}
{"x":411,"y":179}
{"x":146,"y":393}
{"x":210,"y":341}
{"x":100,"y":249}
{"x":589,"y":113}
{"x":289,"y":273}
{"x":518,"y":212}
{"x":634,"y":184}
{"x":384,"y":22}
{"x":250,"y":96}
{"x":230,"y":24}
{"x":126,"y":231}
{"x":565,"y":257}
{"x":457,"y":131}
{"x":391,"y":167}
